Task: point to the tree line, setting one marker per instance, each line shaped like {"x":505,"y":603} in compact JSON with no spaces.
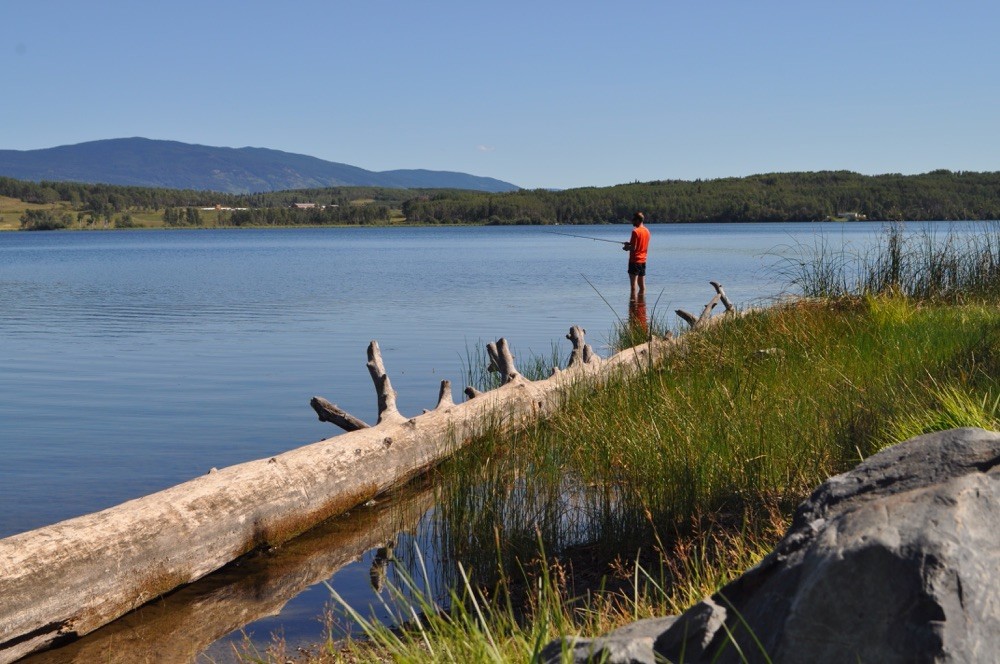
{"x":99,"y":198}
{"x":939,"y":195}
{"x":809,"y":196}
{"x":318,"y":216}
{"x":118,"y":198}
{"x":99,"y":205}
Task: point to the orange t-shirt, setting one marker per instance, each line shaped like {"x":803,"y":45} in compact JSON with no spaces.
{"x":640,"y":243}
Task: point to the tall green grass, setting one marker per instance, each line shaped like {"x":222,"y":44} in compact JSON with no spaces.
{"x":747,"y":415}
{"x":640,"y":498}
{"x":926,"y":265}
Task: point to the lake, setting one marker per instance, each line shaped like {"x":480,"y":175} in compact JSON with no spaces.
{"x":131,"y":361}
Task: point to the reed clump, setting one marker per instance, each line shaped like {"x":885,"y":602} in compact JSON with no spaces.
{"x":927,"y":265}
{"x":642,"y":497}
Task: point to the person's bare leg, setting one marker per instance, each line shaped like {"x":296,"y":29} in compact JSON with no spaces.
{"x":632,"y":279}
{"x":642,"y":285}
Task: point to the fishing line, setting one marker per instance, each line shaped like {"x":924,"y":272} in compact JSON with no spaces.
{"x":599,"y":294}
{"x":585,"y":237}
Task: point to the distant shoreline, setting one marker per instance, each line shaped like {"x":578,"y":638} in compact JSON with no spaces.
{"x":4,"y":229}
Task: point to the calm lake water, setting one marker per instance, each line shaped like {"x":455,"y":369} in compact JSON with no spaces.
{"x":132,"y":361}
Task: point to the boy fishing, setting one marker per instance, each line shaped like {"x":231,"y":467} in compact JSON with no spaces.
{"x":636,"y":247}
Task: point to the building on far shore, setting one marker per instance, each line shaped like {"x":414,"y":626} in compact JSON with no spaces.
{"x":847,"y":216}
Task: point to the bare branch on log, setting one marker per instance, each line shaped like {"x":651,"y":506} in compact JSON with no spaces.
{"x":582,"y":353}
{"x":706,"y":313}
{"x":329,"y":412}
{"x":722,"y":296}
{"x":688,"y":318}
{"x":472,"y":392}
{"x":386,"y":395}
{"x":705,"y":318}
{"x":444,"y":396}
{"x":502,"y":361}
{"x":387,"y":410}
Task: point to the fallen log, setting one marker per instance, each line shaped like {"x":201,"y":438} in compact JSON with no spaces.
{"x":182,"y":625}
{"x":65,"y":580}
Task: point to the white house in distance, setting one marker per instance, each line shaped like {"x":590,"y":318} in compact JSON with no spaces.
{"x":847,"y":216}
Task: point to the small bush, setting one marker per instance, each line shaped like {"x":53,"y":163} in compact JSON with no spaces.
{"x":45,"y":220}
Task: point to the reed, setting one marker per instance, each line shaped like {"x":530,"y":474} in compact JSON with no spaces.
{"x":474,"y":625}
{"x":479,"y":374}
{"x":925,"y":265}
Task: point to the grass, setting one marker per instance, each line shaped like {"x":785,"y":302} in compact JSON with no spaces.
{"x":639,"y":499}
{"x":721,"y":429}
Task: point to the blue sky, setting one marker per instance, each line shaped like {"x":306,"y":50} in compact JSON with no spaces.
{"x":541,"y":94}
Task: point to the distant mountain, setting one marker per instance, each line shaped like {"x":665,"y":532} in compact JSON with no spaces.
{"x":150,"y":163}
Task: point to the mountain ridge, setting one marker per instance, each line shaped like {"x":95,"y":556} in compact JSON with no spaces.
{"x":146,"y":162}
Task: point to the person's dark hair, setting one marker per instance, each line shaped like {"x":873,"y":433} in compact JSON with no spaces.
{"x":638,"y":216}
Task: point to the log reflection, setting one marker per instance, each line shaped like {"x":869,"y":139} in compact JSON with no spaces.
{"x":178,"y":627}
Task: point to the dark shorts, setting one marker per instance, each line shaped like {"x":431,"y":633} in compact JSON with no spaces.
{"x":638,"y":269}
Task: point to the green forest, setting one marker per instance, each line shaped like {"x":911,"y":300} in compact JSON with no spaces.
{"x":940,"y":195}
{"x":813,"y":196}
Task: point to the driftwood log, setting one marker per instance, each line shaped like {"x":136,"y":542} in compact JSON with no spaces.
{"x":182,"y":625}
{"x":65,"y":580}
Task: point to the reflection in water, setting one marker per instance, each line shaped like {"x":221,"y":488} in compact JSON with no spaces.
{"x":638,"y":321}
{"x":179,"y":627}
{"x":379,"y":566}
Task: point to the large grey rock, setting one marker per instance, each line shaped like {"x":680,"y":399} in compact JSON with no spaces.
{"x":893,"y":561}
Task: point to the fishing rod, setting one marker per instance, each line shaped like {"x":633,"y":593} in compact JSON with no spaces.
{"x":585,"y":237}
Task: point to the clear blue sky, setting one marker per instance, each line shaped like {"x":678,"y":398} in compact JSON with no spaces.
{"x":542,"y":94}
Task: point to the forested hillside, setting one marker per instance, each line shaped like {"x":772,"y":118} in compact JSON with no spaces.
{"x":940,"y":195}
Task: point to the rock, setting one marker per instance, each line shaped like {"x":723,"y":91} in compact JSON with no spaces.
{"x":893,"y":561}
{"x":766,"y":353}
{"x":631,"y":643}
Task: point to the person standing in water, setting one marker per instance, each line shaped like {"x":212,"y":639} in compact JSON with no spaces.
{"x":637,"y":247}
